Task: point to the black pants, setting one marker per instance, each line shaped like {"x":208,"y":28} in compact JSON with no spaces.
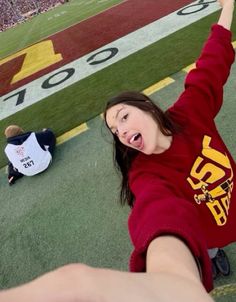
{"x":13,"y":173}
{"x":46,"y":137}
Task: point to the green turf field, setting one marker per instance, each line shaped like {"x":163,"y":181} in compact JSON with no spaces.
{"x":63,"y":215}
{"x":85,"y":99}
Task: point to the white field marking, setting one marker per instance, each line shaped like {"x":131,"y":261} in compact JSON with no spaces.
{"x":126,"y":46}
{"x":57,"y":15}
{"x":89,"y":2}
{"x":97,"y":1}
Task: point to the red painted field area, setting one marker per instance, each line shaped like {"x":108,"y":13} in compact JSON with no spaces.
{"x":88,"y":36}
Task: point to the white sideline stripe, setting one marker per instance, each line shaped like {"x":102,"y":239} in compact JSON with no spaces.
{"x":126,"y":45}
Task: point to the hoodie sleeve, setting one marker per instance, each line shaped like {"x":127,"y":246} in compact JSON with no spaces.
{"x":203,"y":94}
{"x":157,"y":211}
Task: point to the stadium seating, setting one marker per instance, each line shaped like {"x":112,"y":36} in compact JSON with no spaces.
{"x":17,"y":11}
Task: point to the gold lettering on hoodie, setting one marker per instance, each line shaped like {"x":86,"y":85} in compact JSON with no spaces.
{"x":212,"y":176}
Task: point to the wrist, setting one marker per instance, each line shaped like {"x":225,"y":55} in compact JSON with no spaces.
{"x":229,"y":5}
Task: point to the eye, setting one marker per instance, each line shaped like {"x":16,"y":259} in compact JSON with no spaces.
{"x":124,"y":118}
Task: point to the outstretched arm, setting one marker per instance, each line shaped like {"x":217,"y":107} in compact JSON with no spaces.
{"x":226,"y":16}
{"x":203,"y":94}
{"x":172,"y":275}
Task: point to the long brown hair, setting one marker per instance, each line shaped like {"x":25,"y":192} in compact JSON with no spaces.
{"x":123,"y":156}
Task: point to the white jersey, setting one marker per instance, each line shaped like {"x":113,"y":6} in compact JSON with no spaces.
{"x":29,"y":158}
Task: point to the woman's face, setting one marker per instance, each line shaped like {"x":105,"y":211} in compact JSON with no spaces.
{"x":136,"y":129}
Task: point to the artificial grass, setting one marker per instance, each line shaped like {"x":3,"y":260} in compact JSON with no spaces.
{"x":65,"y":214}
{"x":85,"y":99}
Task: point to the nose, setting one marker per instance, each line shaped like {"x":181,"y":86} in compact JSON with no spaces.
{"x":122,"y":132}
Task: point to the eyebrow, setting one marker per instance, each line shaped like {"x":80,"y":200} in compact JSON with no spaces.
{"x":117,"y":113}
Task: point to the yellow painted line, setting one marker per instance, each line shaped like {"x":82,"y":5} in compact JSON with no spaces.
{"x":158,"y":86}
{"x":189,"y":67}
{"x":72,"y":133}
{"x":227,"y":290}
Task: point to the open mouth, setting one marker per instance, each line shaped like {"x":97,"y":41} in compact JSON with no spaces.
{"x":136,"y":140}
{"x":135,"y":137}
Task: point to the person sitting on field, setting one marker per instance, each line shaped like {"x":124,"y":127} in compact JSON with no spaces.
{"x":29,"y":153}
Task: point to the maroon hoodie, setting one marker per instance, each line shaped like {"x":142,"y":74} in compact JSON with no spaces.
{"x":187,"y":191}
